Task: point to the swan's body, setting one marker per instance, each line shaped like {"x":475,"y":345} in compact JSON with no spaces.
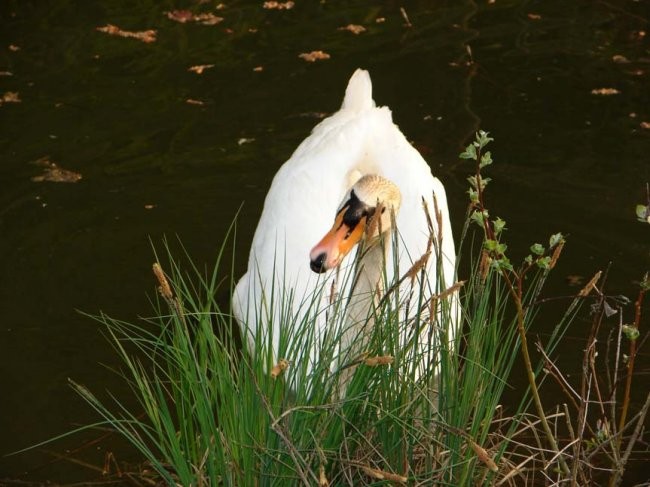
{"x":358,"y":140}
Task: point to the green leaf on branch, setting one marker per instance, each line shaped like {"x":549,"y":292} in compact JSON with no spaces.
{"x":479,"y":217}
{"x":643,"y":213}
{"x":537,"y":249}
{"x":483,"y":181}
{"x":631,"y":332}
{"x":645,"y":283}
{"x":495,"y":246}
{"x":502,"y":264}
{"x":556,"y":239}
{"x":469,"y":153}
{"x":499,"y":225}
{"x":544,"y":262}
{"x":486,"y":160}
{"x":483,"y":138}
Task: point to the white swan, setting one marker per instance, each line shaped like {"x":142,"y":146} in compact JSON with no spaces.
{"x":326,"y":180}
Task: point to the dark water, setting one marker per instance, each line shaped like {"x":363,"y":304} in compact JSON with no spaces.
{"x":114,"y":110}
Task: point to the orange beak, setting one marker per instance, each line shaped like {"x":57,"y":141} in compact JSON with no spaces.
{"x":336,"y":244}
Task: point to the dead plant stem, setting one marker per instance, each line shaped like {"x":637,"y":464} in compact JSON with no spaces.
{"x":516,"y":294}
{"x":630,"y":363}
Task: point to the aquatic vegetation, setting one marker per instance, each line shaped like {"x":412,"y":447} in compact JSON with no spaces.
{"x":215,"y":411}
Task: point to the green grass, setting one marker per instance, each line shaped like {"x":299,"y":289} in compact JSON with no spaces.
{"x":212,"y":413}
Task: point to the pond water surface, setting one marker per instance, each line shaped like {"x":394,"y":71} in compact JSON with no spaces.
{"x":116,"y":111}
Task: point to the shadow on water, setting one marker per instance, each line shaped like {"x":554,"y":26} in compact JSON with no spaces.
{"x":117,"y":112}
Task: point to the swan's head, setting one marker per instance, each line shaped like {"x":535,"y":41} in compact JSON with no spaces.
{"x":365,"y":212}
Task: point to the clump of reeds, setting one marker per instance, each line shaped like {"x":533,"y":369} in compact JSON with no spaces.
{"x":216,"y":411}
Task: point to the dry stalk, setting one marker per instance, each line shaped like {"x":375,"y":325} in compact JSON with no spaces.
{"x":630,"y":362}
{"x":295,"y":455}
{"x":516,"y":294}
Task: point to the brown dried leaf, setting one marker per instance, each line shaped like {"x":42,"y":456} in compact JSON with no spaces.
{"x":534,"y":16}
{"x":314,"y":56}
{"x":192,"y":101}
{"x":181,"y":16}
{"x":53,"y":173}
{"x":258,"y":69}
{"x":483,"y":455}
{"x":556,"y":255}
{"x":280,"y":367}
{"x":14,"y":47}
{"x":10,"y":97}
{"x":322,"y":479}
{"x":379,"y":360}
{"x":184,"y":16}
{"x":605,"y":91}
{"x":645,"y":125}
{"x":620,"y":59}
{"x":585,"y":291}
{"x":6,"y":73}
{"x":354,"y":28}
{"x":199,"y":68}
{"x":380,"y":20}
{"x":382,"y":475}
{"x":273,"y":5}
{"x":208,"y":19}
{"x":146,"y":36}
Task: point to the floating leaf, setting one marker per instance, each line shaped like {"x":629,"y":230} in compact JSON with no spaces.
{"x":273,"y":5}
{"x":605,"y":91}
{"x":146,"y":36}
{"x":199,"y":68}
{"x":314,"y":56}
{"x":10,"y":97}
{"x":53,"y":173}
{"x":354,"y":28}
{"x":184,"y":16}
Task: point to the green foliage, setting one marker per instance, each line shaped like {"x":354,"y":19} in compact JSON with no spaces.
{"x":643,"y":213}
{"x":415,"y":400}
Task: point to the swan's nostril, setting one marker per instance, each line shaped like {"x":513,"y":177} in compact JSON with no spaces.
{"x":318,"y":264}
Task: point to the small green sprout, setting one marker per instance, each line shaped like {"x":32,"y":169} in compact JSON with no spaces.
{"x":631,"y":332}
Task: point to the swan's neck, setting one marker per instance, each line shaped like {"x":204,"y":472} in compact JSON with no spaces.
{"x":366,"y":292}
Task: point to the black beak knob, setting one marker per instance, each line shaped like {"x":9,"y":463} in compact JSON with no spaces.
{"x":318,"y":264}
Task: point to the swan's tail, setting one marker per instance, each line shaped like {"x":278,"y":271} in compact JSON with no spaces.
{"x":358,"y":94}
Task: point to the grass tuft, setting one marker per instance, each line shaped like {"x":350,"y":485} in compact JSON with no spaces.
{"x":218,"y":410}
